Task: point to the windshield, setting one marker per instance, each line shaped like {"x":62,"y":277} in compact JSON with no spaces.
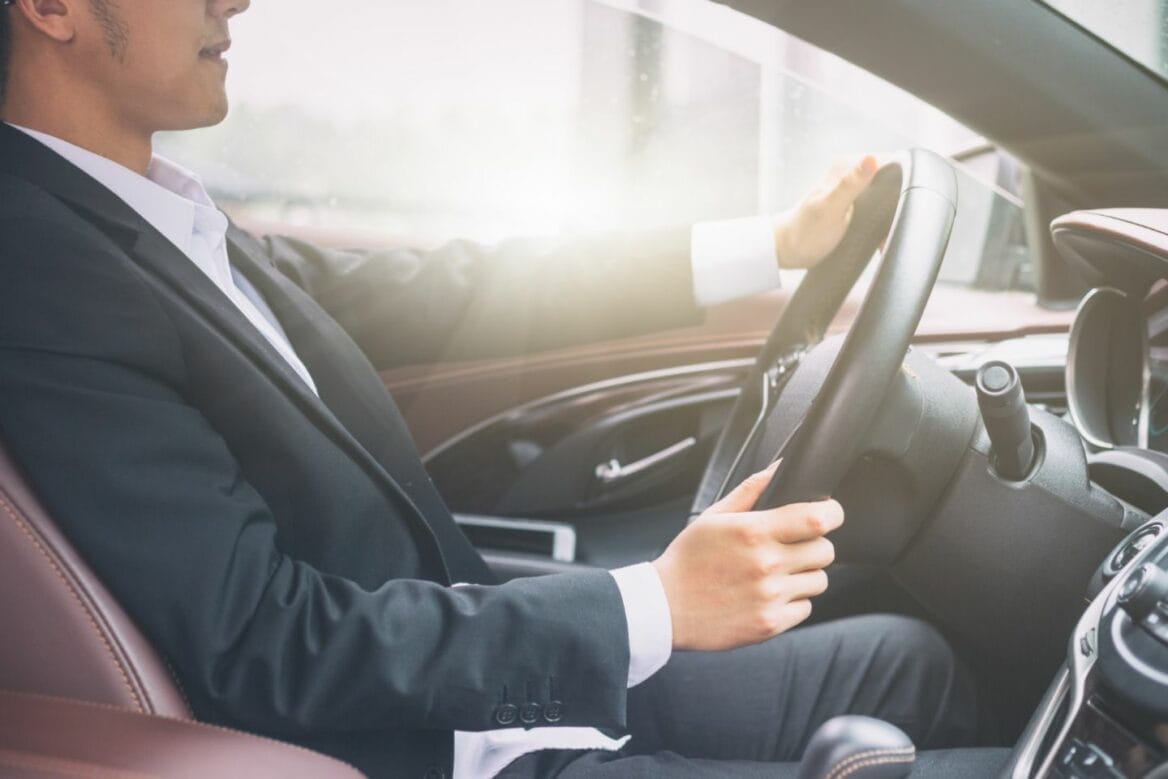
{"x":1138,"y":28}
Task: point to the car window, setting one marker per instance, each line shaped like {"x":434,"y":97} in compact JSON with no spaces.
{"x":430,"y":121}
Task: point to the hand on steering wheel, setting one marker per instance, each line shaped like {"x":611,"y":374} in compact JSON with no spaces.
{"x":746,"y":569}
{"x":911,"y":203}
{"x":810,"y":231}
{"x":739,"y":576}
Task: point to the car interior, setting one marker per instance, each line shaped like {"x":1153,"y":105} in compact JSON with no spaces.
{"x":1008,"y":484}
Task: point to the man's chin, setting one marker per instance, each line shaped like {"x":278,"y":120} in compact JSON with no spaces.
{"x":217,"y":116}
{"x":208,"y":117}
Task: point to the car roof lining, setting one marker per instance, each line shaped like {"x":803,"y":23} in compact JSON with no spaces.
{"x":1087,"y":120}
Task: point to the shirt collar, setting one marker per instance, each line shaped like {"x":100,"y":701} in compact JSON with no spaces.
{"x":173,"y":200}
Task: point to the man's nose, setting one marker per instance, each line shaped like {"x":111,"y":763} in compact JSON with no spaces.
{"x":225,"y":9}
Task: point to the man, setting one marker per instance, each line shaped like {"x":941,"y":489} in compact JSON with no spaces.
{"x":198,"y":409}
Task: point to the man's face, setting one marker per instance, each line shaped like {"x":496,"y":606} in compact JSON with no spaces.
{"x":159,"y":63}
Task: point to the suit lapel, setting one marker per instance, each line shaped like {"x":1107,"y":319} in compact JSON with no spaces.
{"x":162,"y":258}
{"x":26,"y":158}
{"x":22,"y":156}
{"x":353,"y":390}
{"x":336,"y":366}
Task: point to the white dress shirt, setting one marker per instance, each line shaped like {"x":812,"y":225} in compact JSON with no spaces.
{"x":730,"y":259}
{"x":176,"y":204}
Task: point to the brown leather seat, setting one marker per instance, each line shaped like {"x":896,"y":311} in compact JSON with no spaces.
{"x":63,"y":633}
{"x":63,"y":636}
{"x":50,"y":737}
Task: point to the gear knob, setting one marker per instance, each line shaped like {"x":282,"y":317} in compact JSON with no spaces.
{"x":859,"y":748}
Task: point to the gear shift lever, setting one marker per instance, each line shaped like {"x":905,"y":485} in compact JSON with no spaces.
{"x":858,"y":748}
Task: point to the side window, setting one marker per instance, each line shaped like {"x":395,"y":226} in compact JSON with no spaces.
{"x":446,"y":119}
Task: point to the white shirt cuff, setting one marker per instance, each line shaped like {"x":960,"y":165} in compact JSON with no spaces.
{"x":733,"y":258}
{"x":647,"y":614}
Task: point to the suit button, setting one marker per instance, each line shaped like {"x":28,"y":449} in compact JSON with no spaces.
{"x":506,"y":714}
{"x":434,"y":772}
{"x":530,"y":712}
{"x":553,"y":712}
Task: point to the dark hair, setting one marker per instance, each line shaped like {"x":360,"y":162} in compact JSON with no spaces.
{"x":106,"y":12}
{"x":108,"y":16}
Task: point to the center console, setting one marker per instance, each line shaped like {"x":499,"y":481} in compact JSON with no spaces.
{"x":1105,"y":715}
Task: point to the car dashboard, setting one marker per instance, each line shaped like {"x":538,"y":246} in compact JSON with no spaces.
{"x":647,"y":433}
{"x":1106,"y":713}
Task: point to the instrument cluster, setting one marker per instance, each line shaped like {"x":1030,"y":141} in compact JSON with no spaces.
{"x":1117,"y":364}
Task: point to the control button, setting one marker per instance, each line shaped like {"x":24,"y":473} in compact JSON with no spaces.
{"x":1071,"y":754}
{"x":1133,"y":546}
{"x":506,"y":714}
{"x":1156,"y":623}
{"x":553,"y":712}
{"x":995,"y":378}
{"x":1142,"y":591}
{"x":1087,"y":643}
{"x":530,"y":712}
{"x":1084,"y":760}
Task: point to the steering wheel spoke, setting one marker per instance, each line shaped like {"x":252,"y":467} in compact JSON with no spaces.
{"x":774,"y":379}
{"x":816,"y":397}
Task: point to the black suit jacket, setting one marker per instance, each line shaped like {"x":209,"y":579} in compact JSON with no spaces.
{"x":287,"y":553}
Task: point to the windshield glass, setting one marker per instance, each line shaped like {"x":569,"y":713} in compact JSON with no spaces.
{"x":1138,"y":28}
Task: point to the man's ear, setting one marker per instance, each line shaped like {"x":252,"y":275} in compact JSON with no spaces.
{"x":55,"y":18}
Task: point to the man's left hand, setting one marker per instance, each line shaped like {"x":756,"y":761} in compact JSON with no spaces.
{"x":810,"y":231}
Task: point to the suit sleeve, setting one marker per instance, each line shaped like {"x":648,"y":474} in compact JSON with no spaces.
{"x":94,"y":405}
{"x":467,"y":301}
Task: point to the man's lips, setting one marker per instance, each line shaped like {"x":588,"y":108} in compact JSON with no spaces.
{"x":215,"y":51}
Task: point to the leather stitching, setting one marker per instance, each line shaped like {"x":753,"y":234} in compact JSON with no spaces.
{"x":876,"y":761}
{"x":178,"y":685}
{"x":190,"y":723}
{"x":849,"y":766}
{"x":28,"y":532}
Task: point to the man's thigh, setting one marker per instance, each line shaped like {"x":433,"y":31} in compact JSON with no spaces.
{"x":762,"y":703}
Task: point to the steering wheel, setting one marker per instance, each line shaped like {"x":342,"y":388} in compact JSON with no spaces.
{"x":910,"y":206}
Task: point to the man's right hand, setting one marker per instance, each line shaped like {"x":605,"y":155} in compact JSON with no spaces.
{"x":737,"y":576}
